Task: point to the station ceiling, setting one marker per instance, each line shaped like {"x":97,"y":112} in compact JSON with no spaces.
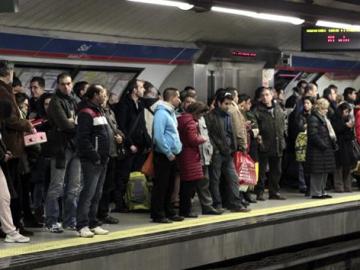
{"x":120,"y":19}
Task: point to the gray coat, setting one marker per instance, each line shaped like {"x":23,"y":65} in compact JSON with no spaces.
{"x":206,"y":149}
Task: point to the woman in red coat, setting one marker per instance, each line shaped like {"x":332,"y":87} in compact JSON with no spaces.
{"x":189,"y":160}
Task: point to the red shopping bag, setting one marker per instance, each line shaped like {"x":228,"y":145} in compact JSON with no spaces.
{"x":245,"y":169}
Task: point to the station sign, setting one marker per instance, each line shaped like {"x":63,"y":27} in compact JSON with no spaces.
{"x":330,"y":39}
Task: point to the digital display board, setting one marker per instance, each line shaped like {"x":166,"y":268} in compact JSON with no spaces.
{"x":330,"y":39}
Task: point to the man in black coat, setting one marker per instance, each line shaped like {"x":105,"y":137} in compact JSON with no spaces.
{"x":223,"y":139}
{"x":271,"y":121}
{"x":130,"y":118}
{"x":65,"y":164}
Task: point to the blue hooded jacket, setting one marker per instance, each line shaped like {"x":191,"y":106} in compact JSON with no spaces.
{"x":166,"y":136}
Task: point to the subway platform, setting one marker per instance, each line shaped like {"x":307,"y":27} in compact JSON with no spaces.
{"x":136,"y":243}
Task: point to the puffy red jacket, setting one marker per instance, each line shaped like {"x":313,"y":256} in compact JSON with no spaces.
{"x":189,"y":160}
{"x":357,"y":123}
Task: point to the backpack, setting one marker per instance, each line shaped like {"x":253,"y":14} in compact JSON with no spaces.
{"x":300,"y":147}
{"x":137,"y":195}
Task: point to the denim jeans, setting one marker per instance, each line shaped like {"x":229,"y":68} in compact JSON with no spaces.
{"x":64,"y":183}
{"x":224,"y":166}
{"x":90,"y":195}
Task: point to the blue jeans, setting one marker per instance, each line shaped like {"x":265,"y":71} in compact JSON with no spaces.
{"x":90,"y":195}
{"x":224,"y":166}
{"x":64,"y":183}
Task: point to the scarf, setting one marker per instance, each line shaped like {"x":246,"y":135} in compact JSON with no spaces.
{"x":330,"y":129}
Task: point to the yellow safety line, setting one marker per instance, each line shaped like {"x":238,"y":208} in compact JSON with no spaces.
{"x":21,"y":249}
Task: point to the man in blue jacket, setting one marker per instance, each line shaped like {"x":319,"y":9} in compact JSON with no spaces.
{"x":166,"y":146}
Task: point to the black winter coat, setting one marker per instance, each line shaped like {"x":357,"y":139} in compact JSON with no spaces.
{"x":320,"y":153}
{"x":92,"y":136}
{"x":126,"y":114}
{"x":272,"y":129}
{"x":216,"y":127}
{"x":345,"y":135}
{"x":62,"y":134}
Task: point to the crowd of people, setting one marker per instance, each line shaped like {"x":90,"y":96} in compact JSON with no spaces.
{"x":76,"y":179}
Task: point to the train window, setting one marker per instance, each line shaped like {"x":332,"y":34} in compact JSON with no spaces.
{"x":25,"y":74}
{"x":115,"y":81}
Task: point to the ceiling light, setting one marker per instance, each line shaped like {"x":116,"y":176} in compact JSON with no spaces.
{"x":257,"y":15}
{"x":338,"y":25}
{"x":178,"y":4}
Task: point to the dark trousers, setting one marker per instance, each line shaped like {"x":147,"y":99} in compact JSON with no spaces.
{"x":274,"y":174}
{"x":131,"y":163}
{"x":108,"y":188}
{"x":16,"y":203}
{"x":187,"y":192}
{"x":163,"y":187}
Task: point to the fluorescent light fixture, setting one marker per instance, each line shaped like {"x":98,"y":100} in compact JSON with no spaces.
{"x":338,"y":25}
{"x":178,"y":4}
{"x":257,"y":15}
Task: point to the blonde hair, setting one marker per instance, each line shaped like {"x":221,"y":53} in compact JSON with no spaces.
{"x":321,"y":104}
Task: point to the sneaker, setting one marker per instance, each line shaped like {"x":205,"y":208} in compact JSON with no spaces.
{"x":99,"y":231}
{"x":85,"y":232}
{"x":16,"y":237}
{"x":55,"y":228}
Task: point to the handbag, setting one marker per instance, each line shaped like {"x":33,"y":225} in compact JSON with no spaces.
{"x":356,"y":149}
{"x":148,"y":166}
{"x":300,"y":147}
{"x":36,"y":138}
{"x":245,"y":168}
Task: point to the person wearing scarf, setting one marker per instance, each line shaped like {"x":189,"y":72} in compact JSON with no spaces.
{"x":320,"y":153}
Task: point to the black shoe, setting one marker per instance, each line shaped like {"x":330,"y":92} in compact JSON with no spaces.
{"x":277,"y":197}
{"x":260,"y":197}
{"x":176,"y":218}
{"x":109,"y":220}
{"x":317,"y":197}
{"x":211,"y":211}
{"x":245,"y":203}
{"x":25,"y":232}
{"x":162,"y":220}
{"x":240,"y":210}
{"x":191,"y":215}
{"x":248,"y":198}
{"x":326,"y":196}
